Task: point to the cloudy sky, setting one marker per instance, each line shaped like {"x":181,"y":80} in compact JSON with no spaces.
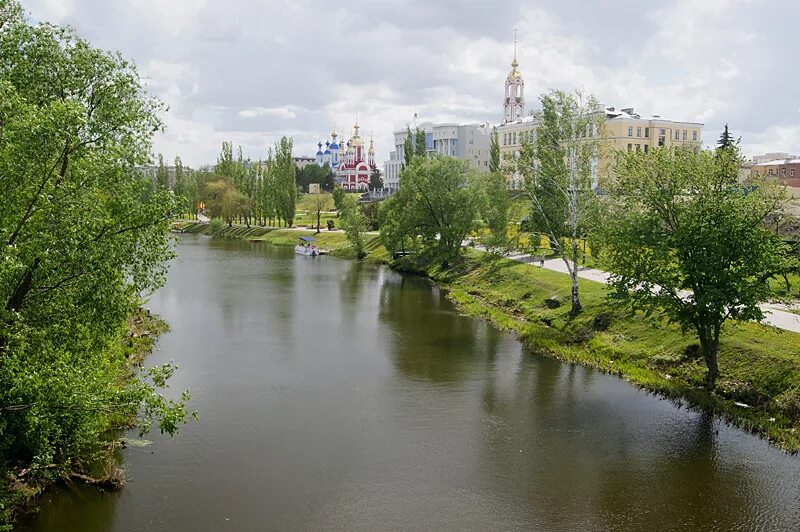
{"x":251,"y":71}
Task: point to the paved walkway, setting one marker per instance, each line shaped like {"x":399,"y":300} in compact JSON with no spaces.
{"x":775,"y":315}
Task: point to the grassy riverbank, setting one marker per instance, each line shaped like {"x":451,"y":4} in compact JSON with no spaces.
{"x":333,"y":241}
{"x":760,"y":365}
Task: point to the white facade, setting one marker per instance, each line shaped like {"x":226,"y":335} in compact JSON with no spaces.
{"x":469,"y":142}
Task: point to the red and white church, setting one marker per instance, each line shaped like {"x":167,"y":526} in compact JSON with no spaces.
{"x":354,"y":165}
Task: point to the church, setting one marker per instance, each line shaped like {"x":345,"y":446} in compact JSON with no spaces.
{"x":352,"y":165}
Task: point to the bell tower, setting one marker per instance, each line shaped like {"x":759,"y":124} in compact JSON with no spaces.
{"x":514,"y":101}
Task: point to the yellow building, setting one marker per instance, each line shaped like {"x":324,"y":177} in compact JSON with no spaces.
{"x":622,"y":129}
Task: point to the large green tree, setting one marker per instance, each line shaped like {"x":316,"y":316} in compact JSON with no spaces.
{"x":420,"y":145}
{"x":683,"y":238}
{"x":559,"y":168}
{"x":434,"y":209}
{"x":283,"y":180}
{"x":84,"y":234}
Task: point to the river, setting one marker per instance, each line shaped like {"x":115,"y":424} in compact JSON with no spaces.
{"x":335,"y":395}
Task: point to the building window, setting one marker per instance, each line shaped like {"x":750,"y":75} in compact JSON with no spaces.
{"x":677,"y":135}
{"x":638,"y":147}
{"x":684,"y":134}
{"x":694,"y":135}
{"x":783,"y":171}
{"x":638,"y":132}
{"x":646,"y":148}
{"x":662,"y":131}
{"x":630,"y":147}
{"x":770,"y":171}
{"x":791,"y":172}
{"x":647,"y":132}
{"x":505,"y":139}
{"x":514,"y":141}
{"x":630,"y":131}
{"x":661,"y":139}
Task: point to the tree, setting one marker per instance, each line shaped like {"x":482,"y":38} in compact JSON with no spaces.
{"x":375,"y":180}
{"x":186,"y":188}
{"x":321,"y":202}
{"x":328,"y":181}
{"x":496,"y":206}
{"x":408,"y":147}
{"x":420,"y":145}
{"x":494,"y":152}
{"x":339,"y":196}
{"x":84,"y":234}
{"x":283,"y":180}
{"x":558,"y":168}
{"x":726,"y":140}
{"x":683,"y":238}
{"x":162,"y":176}
{"x":434,"y":208}
{"x":354,"y":225}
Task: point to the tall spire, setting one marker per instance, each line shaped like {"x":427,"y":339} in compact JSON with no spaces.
{"x":333,"y":134}
{"x":514,"y":63}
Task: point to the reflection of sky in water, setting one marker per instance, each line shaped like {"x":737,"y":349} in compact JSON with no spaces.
{"x":337,"y":395}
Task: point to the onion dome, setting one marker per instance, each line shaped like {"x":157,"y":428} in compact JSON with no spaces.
{"x":371,"y":147}
{"x":319,"y":148}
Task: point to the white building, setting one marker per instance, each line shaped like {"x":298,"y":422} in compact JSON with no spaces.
{"x":469,"y":142}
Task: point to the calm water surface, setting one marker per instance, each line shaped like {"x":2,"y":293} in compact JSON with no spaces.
{"x":340,"y":396}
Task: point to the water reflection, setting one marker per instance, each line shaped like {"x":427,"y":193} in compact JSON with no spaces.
{"x":342,"y":396}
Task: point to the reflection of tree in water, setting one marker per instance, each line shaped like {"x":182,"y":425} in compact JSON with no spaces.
{"x":575,"y":453}
{"x":688,"y":484}
{"x":430,"y":340}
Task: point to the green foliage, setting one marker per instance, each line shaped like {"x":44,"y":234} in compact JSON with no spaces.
{"x":371,"y":212}
{"x":683,"y":237}
{"x":83,"y":235}
{"x":339,"y":196}
{"x":726,"y":140}
{"x":354,"y":224}
{"x":282,"y":179}
{"x":434,"y":209}
{"x":312,"y":173}
{"x":375,"y":180}
{"x":496,"y":210}
{"x":408,"y":147}
{"x":494,"y":152}
{"x":558,"y":171}
{"x":419,"y":143}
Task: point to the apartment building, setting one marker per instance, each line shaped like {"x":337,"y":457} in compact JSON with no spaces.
{"x":469,"y":142}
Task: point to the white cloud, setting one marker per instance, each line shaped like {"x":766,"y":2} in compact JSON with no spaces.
{"x":252,"y":70}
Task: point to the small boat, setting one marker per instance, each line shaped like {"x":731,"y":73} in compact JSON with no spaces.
{"x":307,"y":247}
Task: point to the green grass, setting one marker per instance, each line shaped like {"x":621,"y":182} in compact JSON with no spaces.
{"x":759,"y":365}
{"x":333,"y":241}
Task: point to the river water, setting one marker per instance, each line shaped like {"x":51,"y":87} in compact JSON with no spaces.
{"x":340,"y":396}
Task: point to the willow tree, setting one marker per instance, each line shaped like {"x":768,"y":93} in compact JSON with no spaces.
{"x":83,"y":234}
{"x":559,"y":169}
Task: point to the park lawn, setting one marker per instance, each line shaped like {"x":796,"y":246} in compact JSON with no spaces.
{"x":759,"y":365}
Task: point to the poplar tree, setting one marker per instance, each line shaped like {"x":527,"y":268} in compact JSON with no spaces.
{"x":494,"y":152}
{"x":420,"y":144}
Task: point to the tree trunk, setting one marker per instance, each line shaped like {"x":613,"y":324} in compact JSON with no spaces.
{"x":709,"y":345}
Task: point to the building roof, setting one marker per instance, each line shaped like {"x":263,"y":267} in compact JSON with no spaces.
{"x":776,"y":162}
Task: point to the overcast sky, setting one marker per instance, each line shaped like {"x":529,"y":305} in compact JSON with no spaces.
{"x":251,"y":71}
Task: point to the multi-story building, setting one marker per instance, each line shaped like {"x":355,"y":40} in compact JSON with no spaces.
{"x":785,"y":171}
{"x":469,"y":142}
{"x":302,"y":161}
{"x":773,"y":156}
{"x":622,"y":129}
